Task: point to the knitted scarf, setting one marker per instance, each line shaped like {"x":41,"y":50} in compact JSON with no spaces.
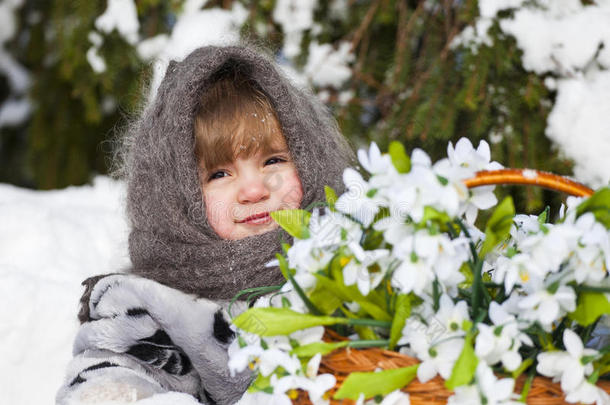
{"x":171,"y":240}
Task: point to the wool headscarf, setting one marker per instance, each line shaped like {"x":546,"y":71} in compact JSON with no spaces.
{"x":171,"y":240}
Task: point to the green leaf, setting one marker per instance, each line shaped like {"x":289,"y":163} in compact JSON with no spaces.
{"x":375,"y":304}
{"x":599,"y":205}
{"x":295,"y":222}
{"x":375,"y":383}
{"x":375,"y":311}
{"x":283,"y":266}
{"x":465,"y":366}
{"x":260,"y":384}
{"x":590,"y":306}
{"x":318,"y":347}
{"x":331,"y":197}
{"x":280,"y":321}
{"x":399,"y":156}
{"x":401,"y":313}
{"x":498,"y":226}
{"x":324,"y":298}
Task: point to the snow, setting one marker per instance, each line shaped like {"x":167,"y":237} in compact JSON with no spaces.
{"x":16,"y":109}
{"x":295,"y":17}
{"x":120,"y":15}
{"x":560,"y":40}
{"x":569,"y":43}
{"x":98,"y":64}
{"x":49,"y":242}
{"x":580,"y":124}
{"x":194,"y":28}
{"x":327,"y":66}
{"x":14,"y":112}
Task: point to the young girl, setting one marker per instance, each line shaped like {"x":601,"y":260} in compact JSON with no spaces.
{"x":226,"y":141}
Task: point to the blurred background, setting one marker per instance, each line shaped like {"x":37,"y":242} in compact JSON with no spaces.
{"x":529,"y":77}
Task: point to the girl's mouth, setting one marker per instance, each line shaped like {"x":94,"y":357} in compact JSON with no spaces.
{"x":257,"y":219}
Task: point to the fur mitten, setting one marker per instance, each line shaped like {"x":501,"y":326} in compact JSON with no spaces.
{"x":195,"y":326}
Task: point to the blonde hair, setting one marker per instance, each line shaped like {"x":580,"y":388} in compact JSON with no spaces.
{"x":235,"y":118}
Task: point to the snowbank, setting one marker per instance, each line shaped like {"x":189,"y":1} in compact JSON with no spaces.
{"x":49,"y":242}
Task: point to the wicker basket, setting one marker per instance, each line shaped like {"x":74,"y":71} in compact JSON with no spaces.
{"x":342,"y":362}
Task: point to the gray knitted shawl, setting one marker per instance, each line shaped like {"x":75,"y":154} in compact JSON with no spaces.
{"x":171,"y":241}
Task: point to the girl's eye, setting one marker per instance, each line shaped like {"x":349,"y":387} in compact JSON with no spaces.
{"x":217,"y":175}
{"x":274,"y":160}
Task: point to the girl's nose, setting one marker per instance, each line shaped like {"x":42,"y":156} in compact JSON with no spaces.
{"x":253,"y":189}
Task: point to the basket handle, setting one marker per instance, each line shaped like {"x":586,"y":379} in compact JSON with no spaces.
{"x":529,"y":177}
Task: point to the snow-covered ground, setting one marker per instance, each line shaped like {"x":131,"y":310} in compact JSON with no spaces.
{"x":49,"y":242}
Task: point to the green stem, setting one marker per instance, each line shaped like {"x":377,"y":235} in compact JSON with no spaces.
{"x":476,"y":286}
{"x":368,"y":322}
{"x":527,"y":385}
{"x":310,"y":306}
{"x":358,"y":344}
{"x":588,"y":288}
{"x":255,"y":291}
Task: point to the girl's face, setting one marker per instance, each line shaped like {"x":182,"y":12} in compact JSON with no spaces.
{"x":240,"y":195}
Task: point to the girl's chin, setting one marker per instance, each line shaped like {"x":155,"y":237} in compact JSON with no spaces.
{"x":246,"y":230}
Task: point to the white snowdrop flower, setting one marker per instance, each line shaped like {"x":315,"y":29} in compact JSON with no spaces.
{"x":519,"y":269}
{"x":587,"y":393}
{"x":315,"y":387}
{"x":465,"y":395}
{"x":487,"y":390}
{"x":523,"y":226}
{"x":374,"y":161}
{"x":412,"y":275}
{"x":326,"y":233}
{"x":463,"y":162}
{"x":568,"y":367}
{"x":244,"y":357}
{"x":305,"y":256}
{"x":546,"y":307}
{"x":394,"y":228}
{"x":439,"y":359}
{"x":449,"y":256}
{"x":452,"y":316}
{"x":500,"y":342}
{"x":313,"y":365}
{"x":396,"y":397}
{"x":356,"y":270}
{"x":438,"y":344}
{"x":271,"y":359}
{"x":466,"y":157}
{"x":495,"y":391}
{"x":261,"y":397}
{"x":302,"y":337}
{"x":548,"y":250}
{"x":266,"y":361}
{"x":308,"y":336}
{"x":360,"y":200}
{"x":591,"y":260}
{"x":433,"y":254}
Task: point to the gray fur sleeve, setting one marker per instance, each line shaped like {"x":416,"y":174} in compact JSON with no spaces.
{"x":124,"y":358}
{"x":178,"y":340}
{"x":103,"y":376}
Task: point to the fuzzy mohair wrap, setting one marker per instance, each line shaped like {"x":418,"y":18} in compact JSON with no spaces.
{"x":171,"y":240}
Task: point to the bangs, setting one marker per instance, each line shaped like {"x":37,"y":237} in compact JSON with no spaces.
{"x":235,"y":120}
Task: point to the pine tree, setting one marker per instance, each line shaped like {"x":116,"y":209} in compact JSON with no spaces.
{"x":409,"y":83}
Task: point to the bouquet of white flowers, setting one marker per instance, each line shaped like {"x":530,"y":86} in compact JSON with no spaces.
{"x":396,"y":262}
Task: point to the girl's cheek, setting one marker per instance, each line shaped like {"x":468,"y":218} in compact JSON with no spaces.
{"x":293,"y":192}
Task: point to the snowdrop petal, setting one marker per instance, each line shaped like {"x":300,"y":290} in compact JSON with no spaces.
{"x":572,"y":378}
{"x":426,"y":371}
{"x":572,"y":343}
